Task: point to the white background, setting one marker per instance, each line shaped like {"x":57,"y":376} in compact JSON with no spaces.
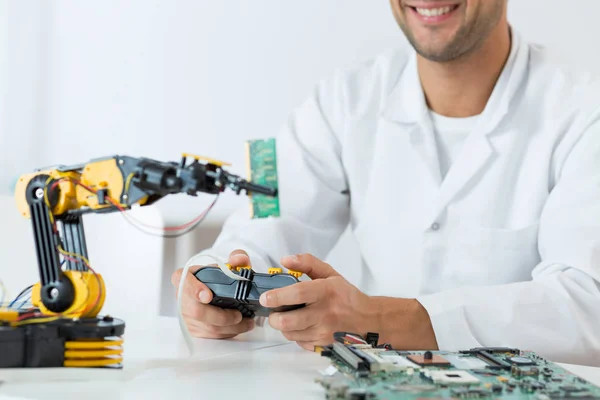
{"x":82,"y":79}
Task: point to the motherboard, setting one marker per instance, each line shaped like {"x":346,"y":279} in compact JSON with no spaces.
{"x":362,"y":369}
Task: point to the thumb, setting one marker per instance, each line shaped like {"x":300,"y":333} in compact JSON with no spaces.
{"x":310,"y":265}
{"x":193,"y":287}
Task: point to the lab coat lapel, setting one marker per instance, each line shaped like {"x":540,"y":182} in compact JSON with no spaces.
{"x":406,"y":106}
{"x":478,"y":153}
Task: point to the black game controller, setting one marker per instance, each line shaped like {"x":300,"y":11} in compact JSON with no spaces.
{"x":243,"y":295}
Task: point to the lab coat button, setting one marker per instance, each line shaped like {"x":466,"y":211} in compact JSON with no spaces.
{"x":435,"y":226}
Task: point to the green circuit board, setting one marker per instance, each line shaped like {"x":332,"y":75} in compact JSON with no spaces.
{"x":386,"y":374}
{"x":261,"y":156}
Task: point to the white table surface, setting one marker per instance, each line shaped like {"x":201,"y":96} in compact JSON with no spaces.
{"x":158,"y":365}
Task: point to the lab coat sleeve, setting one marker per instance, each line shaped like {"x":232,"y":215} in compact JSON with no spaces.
{"x":314,"y":204}
{"x":557,"y":313}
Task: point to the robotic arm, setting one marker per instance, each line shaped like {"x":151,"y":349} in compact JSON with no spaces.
{"x":56,"y":199}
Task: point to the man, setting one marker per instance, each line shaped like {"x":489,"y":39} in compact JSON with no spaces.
{"x":469,"y":170}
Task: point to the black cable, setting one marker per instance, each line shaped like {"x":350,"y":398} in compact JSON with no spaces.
{"x":20,"y":294}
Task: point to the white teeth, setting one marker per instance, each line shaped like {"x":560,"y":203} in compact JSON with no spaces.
{"x":433,"y":12}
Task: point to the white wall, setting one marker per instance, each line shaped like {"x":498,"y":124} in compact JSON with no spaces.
{"x":23,"y":49}
{"x":569,"y":27}
{"x":82,"y":79}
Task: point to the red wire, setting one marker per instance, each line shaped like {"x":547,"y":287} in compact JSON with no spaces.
{"x":27,"y":315}
{"x":353,"y":339}
{"x":167,"y":229}
{"x":120,"y":208}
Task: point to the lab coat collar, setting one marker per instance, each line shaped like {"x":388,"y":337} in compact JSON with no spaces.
{"x":407,"y":103}
{"x":508,"y":85}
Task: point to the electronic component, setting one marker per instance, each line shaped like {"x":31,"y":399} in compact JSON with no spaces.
{"x":471,"y":393}
{"x":412,"y":388}
{"x":428,"y":359}
{"x":370,"y":362}
{"x":390,"y":360}
{"x":363,"y":372}
{"x":496,"y":388}
{"x":261,"y":156}
{"x":524,"y":371}
{"x":571,"y":389}
{"x":455,"y":377}
{"x":520,"y":360}
{"x":338,"y":389}
{"x":359,"y":394}
{"x":369,"y":357}
{"x":372,"y":338}
{"x":494,"y":350}
{"x":345,"y":354}
{"x":467,"y":362}
{"x":350,"y":338}
{"x":244,"y":295}
{"x":491,"y":355}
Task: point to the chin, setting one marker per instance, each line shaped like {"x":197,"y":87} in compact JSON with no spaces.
{"x":433,"y":51}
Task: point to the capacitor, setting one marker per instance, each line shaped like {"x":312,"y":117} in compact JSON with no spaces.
{"x":520,"y":360}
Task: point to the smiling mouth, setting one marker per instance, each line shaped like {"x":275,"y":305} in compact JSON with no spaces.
{"x":433,"y":13}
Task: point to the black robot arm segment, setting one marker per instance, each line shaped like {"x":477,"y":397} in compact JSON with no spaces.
{"x":160,"y":179}
{"x":225,"y":179}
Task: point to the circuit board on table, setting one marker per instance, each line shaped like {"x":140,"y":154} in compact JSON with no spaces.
{"x":360,"y":369}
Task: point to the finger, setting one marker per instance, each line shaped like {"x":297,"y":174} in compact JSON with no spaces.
{"x":177,"y":274}
{"x":310,"y":346}
{"x":204,"y":334}
{"x":246,"y":325}
{"x":310,"y":265}
{"x":193,"y":287}
{"x":308,"y":335}
{"x":215,"y":331}
{"x":296,"y":320}
{"x":209,"y":314}
{"x":239,"y":258}
{"x":306,"y":292}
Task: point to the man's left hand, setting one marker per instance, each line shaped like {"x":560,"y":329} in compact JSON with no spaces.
{"x":334,"y":305}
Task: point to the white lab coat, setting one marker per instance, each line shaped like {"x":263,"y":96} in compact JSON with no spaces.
{"x":504,"y":251}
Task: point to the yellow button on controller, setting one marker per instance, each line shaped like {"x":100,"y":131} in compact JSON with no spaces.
{"x":274,"y":271}
{"x":296,"y":274}
{"x":237,"y":269}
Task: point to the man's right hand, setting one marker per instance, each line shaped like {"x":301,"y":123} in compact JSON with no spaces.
{"x":204,"y":320}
